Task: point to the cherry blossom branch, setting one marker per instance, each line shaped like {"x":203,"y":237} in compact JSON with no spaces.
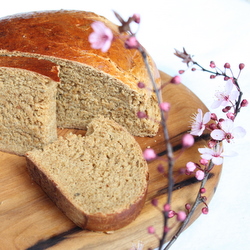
{"x":221,"y":129}
{"x":199,"y":199}
{"x":169,"y":149}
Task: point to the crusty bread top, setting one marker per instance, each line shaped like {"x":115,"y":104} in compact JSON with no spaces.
{"x":64,"y":34}
{"x":42,"y":67}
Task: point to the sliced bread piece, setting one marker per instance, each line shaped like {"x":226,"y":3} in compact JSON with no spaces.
{"x":92,"y":82}
{"x":99,"y":180}
{"x":27,"y":103}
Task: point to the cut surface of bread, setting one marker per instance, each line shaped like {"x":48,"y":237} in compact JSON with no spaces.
{"x":98,"y":180}
{"x":92,"y":82}
{"x":27,"y":103}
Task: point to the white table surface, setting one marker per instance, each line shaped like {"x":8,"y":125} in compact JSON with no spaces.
{"x":211,"y":30}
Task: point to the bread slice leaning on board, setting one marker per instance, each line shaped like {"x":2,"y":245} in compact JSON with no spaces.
{"x":91,"y":82}
{"x":98,"y":180}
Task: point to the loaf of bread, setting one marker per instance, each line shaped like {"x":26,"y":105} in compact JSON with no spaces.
{"x":99,"y":180}
{"x":92,"y":82}
{"x":27,"y":103}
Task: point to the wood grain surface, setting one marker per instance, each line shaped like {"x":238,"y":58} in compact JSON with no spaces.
{"x":29,"y":220}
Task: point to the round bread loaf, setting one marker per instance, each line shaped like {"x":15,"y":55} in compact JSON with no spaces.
{"x":99,"y":180}
{"x":28,"y":89}
{"x":92,"y":82}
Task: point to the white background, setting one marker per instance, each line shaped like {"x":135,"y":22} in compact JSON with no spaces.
{"x":211,"y":30}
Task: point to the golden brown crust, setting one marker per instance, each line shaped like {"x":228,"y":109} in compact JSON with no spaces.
{"x":43,"y":33}
{"x":42,"y":67}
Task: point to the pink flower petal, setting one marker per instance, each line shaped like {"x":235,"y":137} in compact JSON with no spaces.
{"x":239,"y":132}
{"x":216,"y":104}
{"x":206,"y":117}
{"x":218,"y":134}
{"x":229,"y":86}
{"x":227,"y":125}
{"x":217,"y":160}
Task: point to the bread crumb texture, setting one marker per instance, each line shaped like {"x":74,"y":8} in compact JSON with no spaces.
{"x":102,"y":172}
{"x":27,"y":110}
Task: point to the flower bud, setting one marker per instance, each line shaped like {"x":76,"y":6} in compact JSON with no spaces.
{"x":176,"y":79}
{"x":160,"y":169}
{"x":141,"y":85}
{"x":166,"y":229}
{"x":226,"y":78}
{"x":141,"y":114}
{"x":190,"y":166}
{"x":181,"y":216}
{"x":166,"y":207}
{"x":212,"y":76}
{"x":200,"y":175}
{"x":188,"y":206}
{"x":154,"y":202}
{"x":202,"y":190}
{"x":204,"y":210}
{"x":165,"y":106}
{"x":241,"y":66}
{"x":193,"y":69}
{"x":181,"y":71}
{"x":204,"y":162}
{"x":212,"y":144}
{"x":187,"y":141}
{"x":244,"y":103}
{"x":214,"y":116}
{"x":227,"y":66}
{"x":212,"y":126}
{"x":226,"y":109}
{"x":151,"y":230}
{"x":212,"y":64}
{"x":171,"y":214}
{"x":149,"y":154}
{"x":230,"y":116}
{"x":137,"y":18}
{"x":131,"y":43}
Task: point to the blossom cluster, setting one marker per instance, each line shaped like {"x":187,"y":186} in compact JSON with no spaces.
{"x":219,"y":129}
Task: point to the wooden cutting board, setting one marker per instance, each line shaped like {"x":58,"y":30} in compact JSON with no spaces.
{"x":29,"y":220}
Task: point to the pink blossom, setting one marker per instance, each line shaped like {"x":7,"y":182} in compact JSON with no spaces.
{"x":199,"y":175}
{"x":198,"y":124}
{"x":204,"y":210}
{"x":212,"y":154}
{"x":149,"y":154}
{"x":176,"y":80}
{"x":101,"y":37}
{"x":165,"y":106}
{"x":187,"y":141}
{"x":244,"y":103}
{"x":151,"y":230}
{"x":190,"y":166}
{"x":131,"y":43}
{"x":227,"y":97}
{"x":137,"y":18}
{"x":227,"y":131}
{"x":171,"y":214}
{"x":166,"y":207}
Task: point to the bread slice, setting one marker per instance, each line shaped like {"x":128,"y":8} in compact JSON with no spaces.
{"x":99,"y":180}
{"x":27,"y":103}
{"x":92,"y":82}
